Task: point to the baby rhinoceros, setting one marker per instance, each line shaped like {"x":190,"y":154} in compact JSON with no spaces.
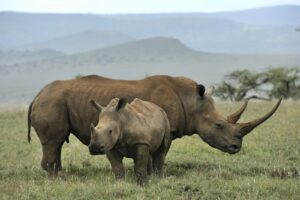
{"x":139,"y":130}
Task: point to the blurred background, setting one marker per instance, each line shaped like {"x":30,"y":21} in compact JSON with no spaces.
{"x":246,"y":48}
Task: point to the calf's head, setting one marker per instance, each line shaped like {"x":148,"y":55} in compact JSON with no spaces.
{"x":223,"y":133}
{"x":108,"y":130}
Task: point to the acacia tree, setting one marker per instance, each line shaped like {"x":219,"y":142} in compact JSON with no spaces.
{"x":273,"y":83}
{"x":284,"y":81}
{"x":239,"y":83}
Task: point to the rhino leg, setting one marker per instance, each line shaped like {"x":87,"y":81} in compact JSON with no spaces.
{"x":149,"y":166}
{"x":158,"y":163}
{"x":158,"y":158}
{"x":50,"y":120}
{"x":52,"y":139}
{"x":115,"y":159}
{"x":140,"y":164}
{"x":51,"y":161}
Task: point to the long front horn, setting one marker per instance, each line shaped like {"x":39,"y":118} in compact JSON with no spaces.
{"x":248,"y":127}
{"x":233,"y":118}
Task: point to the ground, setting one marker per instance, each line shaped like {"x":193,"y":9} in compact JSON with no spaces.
{"x":266,"y":168}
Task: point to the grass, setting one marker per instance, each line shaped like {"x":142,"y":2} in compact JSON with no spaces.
{"x":266,"y":168}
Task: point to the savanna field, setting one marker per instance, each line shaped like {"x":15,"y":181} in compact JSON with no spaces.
{"x":268,"y":166}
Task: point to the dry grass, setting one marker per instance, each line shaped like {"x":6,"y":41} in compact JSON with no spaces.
{"x":266,"y":168}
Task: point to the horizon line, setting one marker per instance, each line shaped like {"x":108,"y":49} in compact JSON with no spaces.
{"x":145,"y":13}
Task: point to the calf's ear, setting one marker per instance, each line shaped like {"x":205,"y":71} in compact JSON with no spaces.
{"x":121,"y":104}
{"x":96,"y":105}
{"x":201,"y":90}
{"x":210,"y":91}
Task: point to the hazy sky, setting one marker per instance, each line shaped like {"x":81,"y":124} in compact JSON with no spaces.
{"x":135,"y":6}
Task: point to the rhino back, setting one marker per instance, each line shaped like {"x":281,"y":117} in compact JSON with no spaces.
{"x":71,"y":98}
{"x":146,"y":123}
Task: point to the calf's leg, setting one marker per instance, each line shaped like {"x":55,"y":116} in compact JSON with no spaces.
{"x":115,"y":159}
{"x":158,"y":158}
{"x":141,"y":161}
{"x":158,"y":162}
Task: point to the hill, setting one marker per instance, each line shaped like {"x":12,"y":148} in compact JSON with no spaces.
{"x":158,"y":49}
{"x":18,"y":57}
{"x":274,"y":15}
{"x":261,"y":30}
{"x":17,"y":29}
{"x":132,"y":60}
{"x":83,"y":41}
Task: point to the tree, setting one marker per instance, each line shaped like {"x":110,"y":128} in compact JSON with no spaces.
{"x":239,"y":83}
{"x":284,"y":81}
{"x":273,"y":83}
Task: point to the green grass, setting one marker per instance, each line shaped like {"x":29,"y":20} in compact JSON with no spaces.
{"x":268,"y":166}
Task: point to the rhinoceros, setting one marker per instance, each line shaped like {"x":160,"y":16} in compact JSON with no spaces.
{"x":62,"y":107}
{"x":139,"y":130}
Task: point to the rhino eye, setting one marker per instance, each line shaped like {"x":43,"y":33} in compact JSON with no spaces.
{"x":219,"y":126}
{"x":110,"y":131}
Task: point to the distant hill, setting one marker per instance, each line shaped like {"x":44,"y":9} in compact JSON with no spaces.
{"x":159,"y":51}
{"x":23,"y":28}
{"x":131,"y":60}
{"x":261,"y":30}
{"x":17,"y":57}
{"x":281,"y":15}
{"x":83,"y":41}
{"x":144,"y":50}
{"x":274,"y":15}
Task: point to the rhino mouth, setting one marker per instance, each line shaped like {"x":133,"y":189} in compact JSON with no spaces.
{"x":96,"y":150}
{"x":231,"y":149}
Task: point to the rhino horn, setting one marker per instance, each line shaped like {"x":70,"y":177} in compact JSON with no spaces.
{"x":96,"y":105}
{"x":92,"y":126}
{"x":233,"y":118}
{"x":248,"y":127}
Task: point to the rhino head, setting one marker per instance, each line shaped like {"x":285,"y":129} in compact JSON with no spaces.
{"x":109,"y":127}
{"x":223,"y":133}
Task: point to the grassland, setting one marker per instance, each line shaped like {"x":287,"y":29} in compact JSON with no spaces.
{"x":267,"y":167}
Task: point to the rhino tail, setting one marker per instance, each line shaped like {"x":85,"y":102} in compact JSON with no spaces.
{"x":29,"y":122}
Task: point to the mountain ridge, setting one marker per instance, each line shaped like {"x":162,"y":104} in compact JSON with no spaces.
{"x":131,"y":60}
{"x":231,"y":32}
{"x":82,"y":41}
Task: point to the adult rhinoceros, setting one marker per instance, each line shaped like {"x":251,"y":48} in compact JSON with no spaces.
{"x":63,"y":107}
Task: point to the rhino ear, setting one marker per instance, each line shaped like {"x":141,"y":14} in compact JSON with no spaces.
{"x":210,"y":91}
{"x":96,"y":105}
{"x":121,"y":104}
{"x":201,"y":90}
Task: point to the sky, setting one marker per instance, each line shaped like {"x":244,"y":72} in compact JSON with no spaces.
{"x":135,"y":6}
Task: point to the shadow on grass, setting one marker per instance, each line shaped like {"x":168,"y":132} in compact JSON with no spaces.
{"x":180,"y":169}
{"x":87,"y":171}
{"x":226,"y":172}
{"x":282,"y":173}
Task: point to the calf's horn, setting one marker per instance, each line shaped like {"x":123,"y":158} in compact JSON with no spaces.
{"x":248,"y":127}
{"x":233,"y":118}
{"x":92,"y":126}
{"x":96,"y":105}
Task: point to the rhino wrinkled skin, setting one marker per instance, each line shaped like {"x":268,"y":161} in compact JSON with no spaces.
{"x":63,"y":107}
{"x":139,"y":130}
